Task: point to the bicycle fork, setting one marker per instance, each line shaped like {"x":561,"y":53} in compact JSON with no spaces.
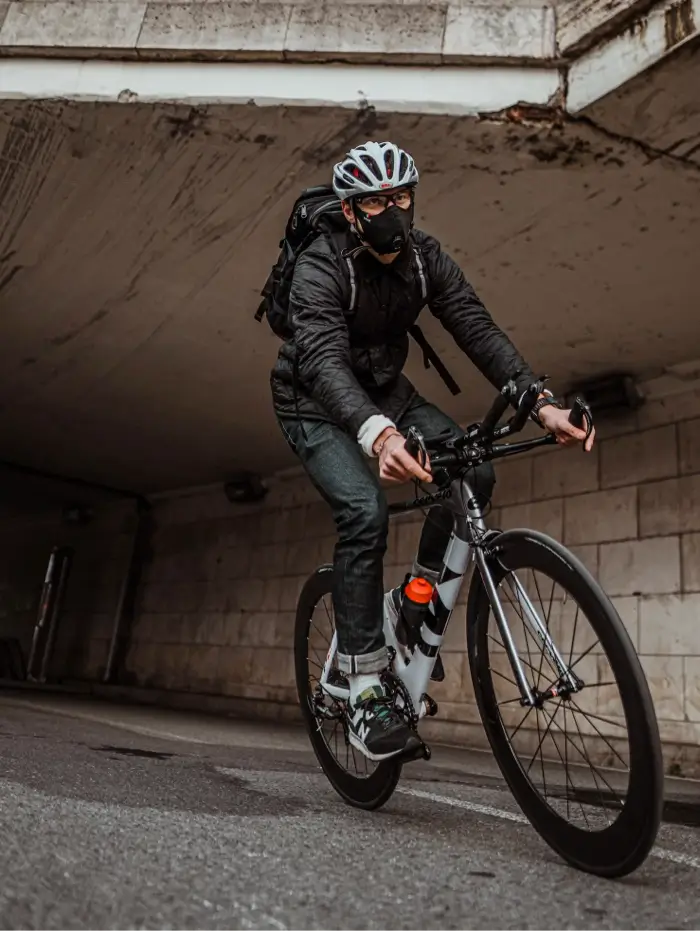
{"x":567,"y":680}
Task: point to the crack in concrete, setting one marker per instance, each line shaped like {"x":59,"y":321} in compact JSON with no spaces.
{"x":652,"y":152}
{"x":556,"y":116}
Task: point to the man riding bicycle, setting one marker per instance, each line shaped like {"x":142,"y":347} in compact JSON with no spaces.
{"x":341,"y":399}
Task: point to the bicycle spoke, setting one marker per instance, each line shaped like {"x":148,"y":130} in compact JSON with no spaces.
{"x":551,"y":598}
{"x":539,"y":746}
{"x":598,"y":732}
{"x":566,"y":770}
{"x":583,"y":655}
{"x":512,"y":682}
{"x":573,"y":639}
{"x":527,"y":713}
{"x":565,"y":761}
{"x":521,"y":658}
{"x":594,"y":769}
{"x":598,"y":717}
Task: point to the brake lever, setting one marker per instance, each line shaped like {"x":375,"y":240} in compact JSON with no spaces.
{"x":415,"y":446}
{"x":527,"y":403}
{"x":581,"y":414}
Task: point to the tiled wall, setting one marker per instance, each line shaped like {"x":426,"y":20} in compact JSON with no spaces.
{"x":216,"y":610}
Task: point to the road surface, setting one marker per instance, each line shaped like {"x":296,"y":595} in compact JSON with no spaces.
{"x":124,"y":817}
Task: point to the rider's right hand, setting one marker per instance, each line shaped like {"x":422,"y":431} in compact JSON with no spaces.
{"x":396,"y":465}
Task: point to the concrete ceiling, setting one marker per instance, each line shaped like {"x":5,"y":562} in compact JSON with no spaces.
{"x":134,"y":242}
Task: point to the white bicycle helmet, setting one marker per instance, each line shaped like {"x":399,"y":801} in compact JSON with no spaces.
{"x":373,"y":167}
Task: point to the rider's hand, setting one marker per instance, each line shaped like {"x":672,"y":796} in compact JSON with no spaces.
{"x":556,"y":421}
{"x":396,"y":465}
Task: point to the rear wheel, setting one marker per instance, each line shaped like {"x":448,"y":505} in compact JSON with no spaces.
{"x":585,"y":765}
{"x":355,"y":778}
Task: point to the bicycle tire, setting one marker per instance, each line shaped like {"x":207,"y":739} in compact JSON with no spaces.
{"x":620,"y":848}
{"x":368,"y":792}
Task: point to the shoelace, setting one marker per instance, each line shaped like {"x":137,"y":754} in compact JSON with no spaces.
{"x":383,"y":712}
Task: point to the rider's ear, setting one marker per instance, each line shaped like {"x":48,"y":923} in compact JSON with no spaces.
{"x":348,"y":211}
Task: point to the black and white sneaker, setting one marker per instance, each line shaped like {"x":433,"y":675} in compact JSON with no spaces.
{"x":376,"y":729}
{"x":392,"y":601}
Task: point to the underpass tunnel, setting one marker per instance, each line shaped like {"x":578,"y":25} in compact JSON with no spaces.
{"x":135,"y":239}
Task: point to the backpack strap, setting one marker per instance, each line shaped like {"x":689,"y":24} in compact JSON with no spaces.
{"x":430,"y":357}
{"x":349,"y":255}
{"x":421,"y":273}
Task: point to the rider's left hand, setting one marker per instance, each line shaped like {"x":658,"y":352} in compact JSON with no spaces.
{"x":556,"y":421}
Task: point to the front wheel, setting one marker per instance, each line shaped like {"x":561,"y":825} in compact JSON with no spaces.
{"x":358,"y":780}
{"x":584,"y":763}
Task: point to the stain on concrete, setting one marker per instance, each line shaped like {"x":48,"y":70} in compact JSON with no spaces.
{"x":7,"y":278}
{"x":185,"y":127}
{"x":679,"y":23}
{"x":638,"y":27}
{"x":71,"y":334}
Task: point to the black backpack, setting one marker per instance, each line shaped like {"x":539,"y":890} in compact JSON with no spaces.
{"x":316,"y":211}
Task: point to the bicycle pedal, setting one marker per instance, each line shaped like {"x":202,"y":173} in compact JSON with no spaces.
{"x":431,"y":706}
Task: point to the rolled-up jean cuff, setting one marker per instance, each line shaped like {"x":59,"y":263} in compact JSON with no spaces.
{"x":366,"y":662}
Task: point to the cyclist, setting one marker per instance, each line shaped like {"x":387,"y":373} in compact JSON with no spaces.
{"x":341,"y":399}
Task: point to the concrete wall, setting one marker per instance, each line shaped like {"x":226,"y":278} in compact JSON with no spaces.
{"x":216,"y":611}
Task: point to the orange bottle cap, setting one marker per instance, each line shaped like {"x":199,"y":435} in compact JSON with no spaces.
{"x":419,"y":590}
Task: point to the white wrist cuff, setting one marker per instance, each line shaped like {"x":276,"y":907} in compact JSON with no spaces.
{"x":370,"y":430}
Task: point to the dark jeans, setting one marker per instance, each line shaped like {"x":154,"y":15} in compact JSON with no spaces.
{"x":341,"y":472}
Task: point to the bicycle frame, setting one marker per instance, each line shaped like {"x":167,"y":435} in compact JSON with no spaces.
{"x":465,"y":545}
{"x":463,"y":548}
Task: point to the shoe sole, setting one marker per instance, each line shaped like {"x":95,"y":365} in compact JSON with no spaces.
{"x":412,"y":745}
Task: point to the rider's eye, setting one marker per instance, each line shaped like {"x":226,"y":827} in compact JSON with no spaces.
{"x":371,"y":203}
{"x":402,"y":199}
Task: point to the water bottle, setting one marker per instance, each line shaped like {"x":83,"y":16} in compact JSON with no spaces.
{"x":414,"y":609}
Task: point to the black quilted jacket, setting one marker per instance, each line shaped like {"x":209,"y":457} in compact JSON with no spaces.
{"x":349,"y":365}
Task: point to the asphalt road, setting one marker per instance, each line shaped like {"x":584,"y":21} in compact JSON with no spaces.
{"x":127,"y":818}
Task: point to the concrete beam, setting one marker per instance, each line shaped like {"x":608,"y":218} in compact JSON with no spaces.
{"x":581,"y":23}
{"x":447,"y":31}
{"x":649,"y":39}
{"x":468,"y":90}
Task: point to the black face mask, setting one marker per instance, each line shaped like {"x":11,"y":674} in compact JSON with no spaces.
{"x":386,"y":232}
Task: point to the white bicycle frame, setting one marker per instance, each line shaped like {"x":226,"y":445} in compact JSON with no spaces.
{"x":415,"y":669}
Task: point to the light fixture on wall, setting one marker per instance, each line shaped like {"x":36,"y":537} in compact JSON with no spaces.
{"x":608,"y":394}
{"x":77,"y":514}
{"x":245,"y":488}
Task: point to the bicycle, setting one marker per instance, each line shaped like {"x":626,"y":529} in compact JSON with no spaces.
{"x":504,"y":562}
